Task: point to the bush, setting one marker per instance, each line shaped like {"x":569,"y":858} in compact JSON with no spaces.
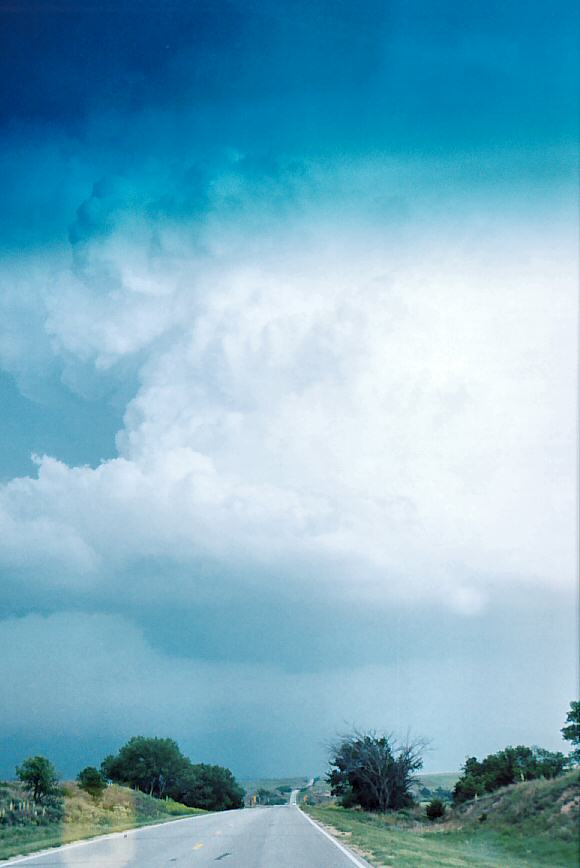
{"x":213,"y":788}
{"x":92,"y":781}
{"x":435,"y":809}
{"x":16,"y":811}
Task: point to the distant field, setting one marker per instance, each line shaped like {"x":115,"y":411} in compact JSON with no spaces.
{"x":252,"y":784}
{"x":445,"y":780}
{"x":320,"y":790}
{"x":532,"y":824}
{"x":84,"y":817}
{"x":278,"y":789}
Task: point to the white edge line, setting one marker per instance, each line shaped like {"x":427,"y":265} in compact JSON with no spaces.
{"x":326,"y":834}
{"x":109,"y":837}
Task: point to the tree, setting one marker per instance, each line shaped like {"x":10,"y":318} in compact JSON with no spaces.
{"x":211,"y":787}
{"x":571,"y":732}
{"x":92,"y":781}
{"x":509,"y":766}
{"x":152,"y":765}
{"x":374,"y":771}
{"x":157,"y":766}
{"x":39,"y":775}
{"x":267,"y":797}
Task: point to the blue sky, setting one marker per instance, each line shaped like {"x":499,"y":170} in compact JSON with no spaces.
{"x":288,"y":377}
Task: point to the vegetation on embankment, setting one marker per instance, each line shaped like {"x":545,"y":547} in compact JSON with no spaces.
{"x":72,"y":814}
{"x":530,"y":824}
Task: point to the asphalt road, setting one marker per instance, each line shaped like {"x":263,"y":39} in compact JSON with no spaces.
{"x":277,"y":837}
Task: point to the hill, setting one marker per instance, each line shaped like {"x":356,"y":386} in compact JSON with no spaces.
{"x":74,"y":814}
{"x":530,"y":824}
{"x":543,"y":815}
{"x":277,"y":788}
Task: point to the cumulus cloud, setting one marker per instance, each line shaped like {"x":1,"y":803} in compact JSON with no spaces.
{"x":382,"y":402}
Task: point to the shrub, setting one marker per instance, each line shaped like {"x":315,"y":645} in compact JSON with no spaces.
{"x":435,"y":809}
{"x":92,"y":781}
{"x":213,"y":788}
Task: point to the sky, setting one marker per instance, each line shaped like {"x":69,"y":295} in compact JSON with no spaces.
{"x":287,"y":377}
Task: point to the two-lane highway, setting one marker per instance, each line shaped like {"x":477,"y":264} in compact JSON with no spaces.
{"x":276,"y":837}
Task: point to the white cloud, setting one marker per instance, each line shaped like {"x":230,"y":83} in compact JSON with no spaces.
{"x":391,"y":405}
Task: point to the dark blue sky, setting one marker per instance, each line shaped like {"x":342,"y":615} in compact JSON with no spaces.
{"x":437,"y":74}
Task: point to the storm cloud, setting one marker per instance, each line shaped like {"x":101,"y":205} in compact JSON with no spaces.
{"x":340,"y":375}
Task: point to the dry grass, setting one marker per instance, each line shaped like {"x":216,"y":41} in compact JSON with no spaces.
{"x":117,"y":809}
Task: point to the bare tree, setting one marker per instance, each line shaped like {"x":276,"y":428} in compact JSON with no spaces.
{"x":374,"y":771}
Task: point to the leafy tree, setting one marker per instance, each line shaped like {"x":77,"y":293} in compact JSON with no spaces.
{"x":39,"y":775}
{"x":571,"y":732}
{"x":267,"y":797}
{"x":435,"y":809}
{"x":509,"y":766}
{"x":157,"y":766}
{"x":152,"y":765}
{"x":211,"y":787}
{"x":92,"y":781}
{"x":374,"y":771}
{"x":471,"y":784}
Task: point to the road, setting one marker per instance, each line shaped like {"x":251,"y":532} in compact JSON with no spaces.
{"x":276,"y":837}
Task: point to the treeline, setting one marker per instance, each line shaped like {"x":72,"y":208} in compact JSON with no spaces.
{"x":513,"y":765}
{"x":378,"y":773}
{"x":155,"y":766}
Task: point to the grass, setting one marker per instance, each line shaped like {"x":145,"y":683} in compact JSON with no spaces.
{"x":118,"y":809}
{"x":532,"y":824}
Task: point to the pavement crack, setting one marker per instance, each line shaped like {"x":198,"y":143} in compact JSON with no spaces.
{"x":223,"y":856}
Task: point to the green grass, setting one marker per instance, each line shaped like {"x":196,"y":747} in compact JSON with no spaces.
{"x":532,"y":824}
{"x":117,"y":810}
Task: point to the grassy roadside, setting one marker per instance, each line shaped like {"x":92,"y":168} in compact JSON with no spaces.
{"x":117,"y":810}
{"x":533,"y":824}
